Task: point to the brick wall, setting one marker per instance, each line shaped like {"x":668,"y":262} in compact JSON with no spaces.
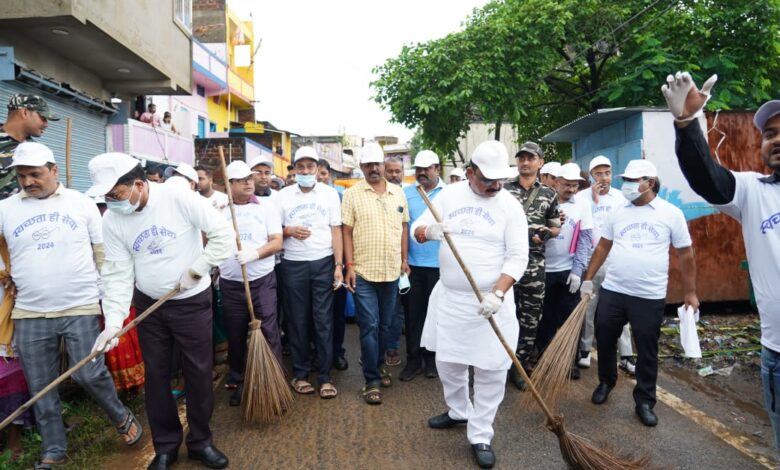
{"x":208,"y":20}
{"x":246,"y":115}
{"x":207,"y":154}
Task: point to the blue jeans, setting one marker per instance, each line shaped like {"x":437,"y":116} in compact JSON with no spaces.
{"x":770,"y":377}
{"x":375,"y":309}
{"x":395,"y":326}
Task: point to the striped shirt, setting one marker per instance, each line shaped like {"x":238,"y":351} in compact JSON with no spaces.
{"x":377,"y":224}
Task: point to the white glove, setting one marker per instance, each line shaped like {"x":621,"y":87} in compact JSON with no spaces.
{"x":573,"y":281}
{"x":437,"y":230}
{"x":188,"y":280}
{"x":247,"y":255}
{"x":586,"y":289}
{"x":104,"y":341}
{"x":676,"y":93}
{"x":490,"y":305}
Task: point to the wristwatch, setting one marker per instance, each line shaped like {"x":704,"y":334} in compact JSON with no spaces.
{"x":499,"y":293}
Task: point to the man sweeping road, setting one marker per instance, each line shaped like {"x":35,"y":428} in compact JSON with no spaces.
{"x":488,"y":226}
{"x":153,"y":241}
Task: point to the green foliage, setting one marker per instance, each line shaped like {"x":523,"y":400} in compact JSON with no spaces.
{"x":540,"y":64}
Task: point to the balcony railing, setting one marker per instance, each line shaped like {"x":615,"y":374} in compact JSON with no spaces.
{"x":152,"y":143}
{"x":240,"y":87}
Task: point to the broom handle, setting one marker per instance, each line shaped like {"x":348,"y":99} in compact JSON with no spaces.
{"x":492,"y":321}
{"x":87,"y":359}
{"x":247,"y":291}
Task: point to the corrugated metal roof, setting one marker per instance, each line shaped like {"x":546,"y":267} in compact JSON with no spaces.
{"x":593,"y":122}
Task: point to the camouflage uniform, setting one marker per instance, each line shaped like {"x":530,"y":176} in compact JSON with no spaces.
{"x":8,"y":183}
{"x":529,"y":290}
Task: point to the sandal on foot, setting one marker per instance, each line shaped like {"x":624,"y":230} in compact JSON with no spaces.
{"x":328,"y":391}
{"x":302,"y":386}
{"x":372,"y":395}
{"x":41,"y":465}
{"x":387,"y":378}
{"x":124,"y":429}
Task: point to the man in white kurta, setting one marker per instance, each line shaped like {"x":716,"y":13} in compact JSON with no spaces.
{"x":489,"y":229}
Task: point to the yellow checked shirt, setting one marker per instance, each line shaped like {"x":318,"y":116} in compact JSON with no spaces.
{"x":376,"y":222}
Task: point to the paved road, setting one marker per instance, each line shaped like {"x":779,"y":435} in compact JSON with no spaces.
{"x":345,"y":433}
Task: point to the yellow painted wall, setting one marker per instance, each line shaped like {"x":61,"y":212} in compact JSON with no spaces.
{"x":218,"y":113}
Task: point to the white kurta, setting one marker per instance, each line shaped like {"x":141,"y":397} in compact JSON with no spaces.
{"x":491,"y":235}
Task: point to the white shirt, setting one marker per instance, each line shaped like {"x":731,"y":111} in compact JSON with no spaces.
{"x":164,"y":240}
{"x":50,"y":242}
{"x":318,"y":210}
{"x":256,"y":221}
{"x":558,"y":253}
{"x":756,"y":205}
{"x":600,"y":211}
{"x":218,"y":200}
{"x":491,"y":235}
{"x":639,"y":258}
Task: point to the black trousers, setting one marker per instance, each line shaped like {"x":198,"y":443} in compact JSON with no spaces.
{"x":645,"y":317}
{"x":422,"y":281}
{"x":558,"y":305}
{"x":308,"y":294}
{"x":187,"y":323}
{"x":339,"y":321}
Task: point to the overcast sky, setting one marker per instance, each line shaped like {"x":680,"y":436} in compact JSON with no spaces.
{"x":316,"y":58}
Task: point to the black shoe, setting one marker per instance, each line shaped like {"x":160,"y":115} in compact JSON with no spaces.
{"x":430,"y":369}
{"x":574,"y":373}
{"x":600,"y":394}
{"x":412,"y":369}
{"x":443,"y":421}
{"x":209,"y":456}
{"x":484,"y":455}
{"x":163,"y":461}
{"x":646,"y":415}
{"x":516,"y":379}
{"x":235,"y":397}
{"x":340,"y":363}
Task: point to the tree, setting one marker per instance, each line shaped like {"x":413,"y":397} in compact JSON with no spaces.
{"x":540,"y":64}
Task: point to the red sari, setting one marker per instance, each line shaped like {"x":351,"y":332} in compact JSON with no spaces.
{"x":125,"y":361}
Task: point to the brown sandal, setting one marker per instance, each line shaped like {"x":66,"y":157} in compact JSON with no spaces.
{"x":387,"y":378}
{"x":302,"y":386}
{"x":372,"y":395}
{"x":328,"y":391}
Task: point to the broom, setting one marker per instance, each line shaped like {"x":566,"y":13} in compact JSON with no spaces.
{"x":578,"y":452}
{"x":266,"y":393}
{"x":551,"y":374}
{"x":86,"y":360}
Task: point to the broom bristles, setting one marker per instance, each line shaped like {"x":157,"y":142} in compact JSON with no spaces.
{"x":551,"y":374}
{"x":581,"y":454}
{"x":266,"y":392}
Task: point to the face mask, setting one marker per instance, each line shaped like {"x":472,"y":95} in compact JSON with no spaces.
{"x":306,"y":181}
{"x":124,"y":206}
{"x":630,"y":190}
{"x":403,"y":284}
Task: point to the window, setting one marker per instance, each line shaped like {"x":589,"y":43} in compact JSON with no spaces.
{"x":201,"y":91}
{"x":201,"y":127}
{"x":212,"y":127}
{"x":182,"y":13}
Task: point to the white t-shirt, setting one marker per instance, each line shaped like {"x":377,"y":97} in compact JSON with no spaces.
{"x":756,"y":205}
{"x":50,"y":242}
{"x":557,"y":255}
{"x":163,"y":240}
{"x":600,"y":211}
{"x":256,"y":221}
{"x":639,"y":258}
{"x":318,"y":210}
{"x":218,"y":200}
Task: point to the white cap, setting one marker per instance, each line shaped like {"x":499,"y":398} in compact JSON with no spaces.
{"x":640,"y":169}
{"x":261,"y":160}
{"x":187,"y":171}
{"x":106,"y":169}
{"x":425,"y":159}
{"x":372,"y":153}
{"x":601,"y":160}
{"x":32,"y":154}
{"x":493,"y":160}
{"x":766,"y":112}
{"x":458,"y":172}
{"x":238,"y":170}
{"x":550,"y":168}
{"x":569,"y":172}
{"x":306,"y":152}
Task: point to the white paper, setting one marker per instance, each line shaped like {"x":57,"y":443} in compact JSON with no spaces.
{"x":689,"y":337}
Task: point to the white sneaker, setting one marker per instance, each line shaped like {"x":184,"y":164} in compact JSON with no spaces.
{"x":628,"y":366}
{"x":584,"y":362}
